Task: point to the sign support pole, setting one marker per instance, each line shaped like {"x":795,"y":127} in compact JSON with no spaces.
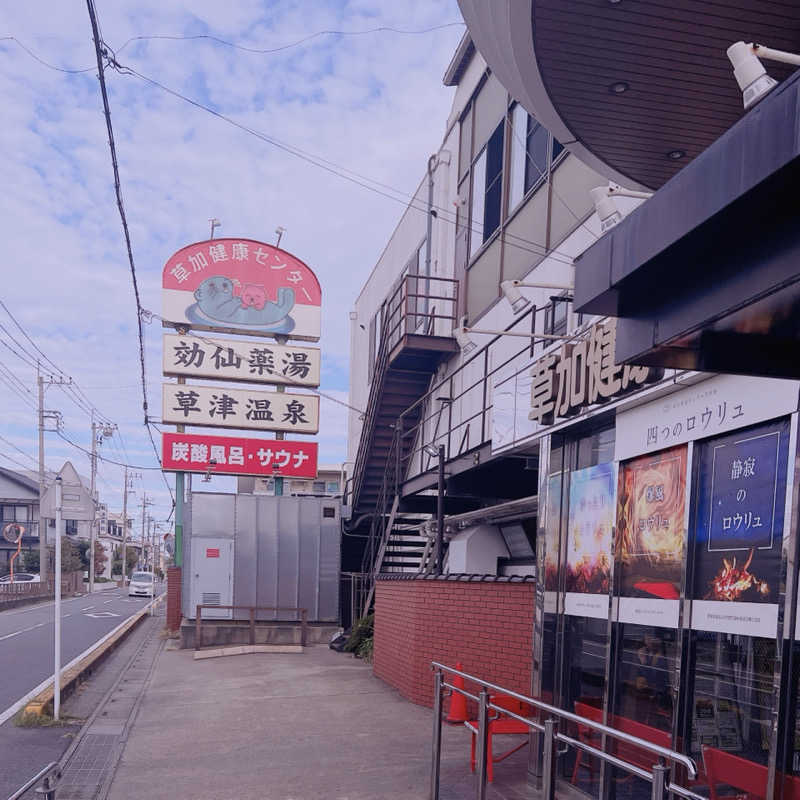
{"x":179,"y":495}
{"x":57,"y":589}
{"x":279,"y":435}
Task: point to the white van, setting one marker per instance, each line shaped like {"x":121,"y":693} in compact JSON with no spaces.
{"x":142,"y":584}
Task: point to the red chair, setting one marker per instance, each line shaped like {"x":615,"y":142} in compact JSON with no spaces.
{"x":746,"y":776}
{"x":499,"y":725}
{"x":588,"y":736}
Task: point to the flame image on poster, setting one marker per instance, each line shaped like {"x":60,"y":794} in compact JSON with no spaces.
{"x":591,"y":521}
{"x":552,"y":526}
{"x":651,"y":505}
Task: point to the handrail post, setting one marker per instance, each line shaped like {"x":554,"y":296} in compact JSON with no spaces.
{"x":483,"y":740}
{"x":48,"y":788}
{"x":252,"y":625}
{"x":549,"y":760}
{"x":660,"y":781}
{"x":303,"y":626}
{"x":198,"y":627}
{"x":436,"y":753}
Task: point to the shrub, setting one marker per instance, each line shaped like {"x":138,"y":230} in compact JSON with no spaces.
{"x":362,"y":631}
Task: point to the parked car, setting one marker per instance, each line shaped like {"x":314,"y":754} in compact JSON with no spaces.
{"x":21,"y":577}
{"x":142,"y":584}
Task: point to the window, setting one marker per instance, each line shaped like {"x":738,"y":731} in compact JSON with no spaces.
{"x":332,"y":487}
{"x":487,"y":191}
{"x":14,"y":513}
{"x":518,"y":156}
{"x":71,"y":527}
{"x":536,"y":147}
{"x":318,"y":487}
{"x":555,"y":320}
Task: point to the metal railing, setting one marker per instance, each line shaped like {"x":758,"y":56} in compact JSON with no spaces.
{"x":198,"y":625}
{"x":658,"y":775}
{"x":49,"y":778}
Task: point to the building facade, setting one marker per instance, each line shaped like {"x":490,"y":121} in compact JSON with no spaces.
{"x":626,"y":531}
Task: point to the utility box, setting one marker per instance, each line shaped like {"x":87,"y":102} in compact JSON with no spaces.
{"x":212,"y":576}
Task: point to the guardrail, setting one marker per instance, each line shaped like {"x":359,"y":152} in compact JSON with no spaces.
{"x":659,"y":775}
{"x":198,"y":624}
{"x":49,"y":777}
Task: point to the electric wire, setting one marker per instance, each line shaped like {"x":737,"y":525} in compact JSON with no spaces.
{"x":69,"y":441}
{"x":14,"y":461}
{"x":22,"y":452}
{"x":100,"y":54}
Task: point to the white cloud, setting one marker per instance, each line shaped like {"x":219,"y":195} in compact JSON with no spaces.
{"x":374,"y":103}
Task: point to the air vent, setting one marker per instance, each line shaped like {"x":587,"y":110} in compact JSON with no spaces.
{"x":211,"y":598}
{"x":328,"y":512}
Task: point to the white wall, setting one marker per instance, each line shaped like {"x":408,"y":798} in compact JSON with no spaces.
{"x":475,"y":551}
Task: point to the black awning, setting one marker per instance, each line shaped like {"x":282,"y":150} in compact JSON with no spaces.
{"x":706,"y":274}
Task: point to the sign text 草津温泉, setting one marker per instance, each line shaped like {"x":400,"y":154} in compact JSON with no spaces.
{"x":248,"y":409}
{"x":582,"y":373}
{"x":250,"y":361}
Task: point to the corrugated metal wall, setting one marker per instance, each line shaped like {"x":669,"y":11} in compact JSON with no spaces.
{"x":286,"y":551}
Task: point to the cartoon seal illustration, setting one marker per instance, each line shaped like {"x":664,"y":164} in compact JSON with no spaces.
{"x":217,"y":301}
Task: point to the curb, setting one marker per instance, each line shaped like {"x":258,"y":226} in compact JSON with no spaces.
{"x":71,"y":675}
{"x":247,"y":649}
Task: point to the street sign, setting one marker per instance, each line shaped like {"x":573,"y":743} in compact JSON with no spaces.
{"x":241,"y":286}
{"x":218,"y":407}
{"x":246,"y":360}
{"x":13,"y":532}
{"x":76,"y":501}
{"x":234,"y":455}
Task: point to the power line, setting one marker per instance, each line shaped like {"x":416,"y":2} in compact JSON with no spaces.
{"x":22,"y":452}
{"x":99,"y":54}
{"x":289,"y":46}
{"x":41,"y":60}
{"x":101,"y":457}
{"x":405,"y":199}
{"x":14,"y":461}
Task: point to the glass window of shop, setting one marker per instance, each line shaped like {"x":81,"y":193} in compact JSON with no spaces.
{"x":576,"y":557}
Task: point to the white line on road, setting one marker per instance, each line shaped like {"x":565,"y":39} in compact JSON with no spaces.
{"x":106,"y":602}
{"x":9,"y":635}
{"x":87,"y":608}
{"x":23,"y":701}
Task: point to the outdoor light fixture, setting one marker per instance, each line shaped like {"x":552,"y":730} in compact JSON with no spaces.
{"x":676,"y":155}
{"x":431,"y":449}
{"x":606,"y":208}
{"x":518,"y":300}
{"x":620,"y":87}
{"x":462,"y":337}
{"x":750,"y":73}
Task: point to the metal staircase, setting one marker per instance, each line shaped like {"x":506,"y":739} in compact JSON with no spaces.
{"x":410,"y":352}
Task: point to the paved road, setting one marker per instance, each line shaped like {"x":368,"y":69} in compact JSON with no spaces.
{"x":26,"y":637}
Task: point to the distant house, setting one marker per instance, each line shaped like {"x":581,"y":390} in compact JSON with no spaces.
{"x":19,"y":502}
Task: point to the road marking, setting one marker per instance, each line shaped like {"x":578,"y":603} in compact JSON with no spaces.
{"x":106,"y":602}
{"x":23,"y":701}
{"x":102,"y":615}
{"x":9,"y":635}
{"x":64,"y":616}
{"x":41,"y":624}
{"x":87,"y":608}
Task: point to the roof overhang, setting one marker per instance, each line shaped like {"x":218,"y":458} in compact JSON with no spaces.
{"x":706,"y":274}
{"x":561,"y":60}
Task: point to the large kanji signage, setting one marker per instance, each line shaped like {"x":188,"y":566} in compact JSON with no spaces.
{"x":234,"y":455}
{"x":582,"y":373}
{"x":217,"y":407}
{"x":252,"y":361}
{"x":241,"y":286}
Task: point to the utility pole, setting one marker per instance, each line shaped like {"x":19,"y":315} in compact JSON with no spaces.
{"x":125,"y":528}
{"x":94,"y":502}
{"x":57,"y":598}
{"x":42,"y":522}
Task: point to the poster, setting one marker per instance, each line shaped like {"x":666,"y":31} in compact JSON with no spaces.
{"x":551,"y":541}
{"x":739,"y":531}
{"x":651,"y":529}
{"x":589,"y":536}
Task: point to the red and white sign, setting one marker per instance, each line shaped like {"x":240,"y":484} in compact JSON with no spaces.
{"x":212,"y":552}
{"x":241,"y":286}
{"x":234,"y":455}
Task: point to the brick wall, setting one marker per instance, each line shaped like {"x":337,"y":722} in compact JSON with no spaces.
{"x":487,"y":626}
{"x":174,"y":615}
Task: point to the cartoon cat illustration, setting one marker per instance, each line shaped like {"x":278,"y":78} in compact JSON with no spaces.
{"x":253,"y":295}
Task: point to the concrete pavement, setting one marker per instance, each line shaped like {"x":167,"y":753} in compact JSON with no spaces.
{"x":289,"y":727}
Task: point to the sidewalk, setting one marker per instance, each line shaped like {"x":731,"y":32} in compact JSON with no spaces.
{"x":289,"y":727}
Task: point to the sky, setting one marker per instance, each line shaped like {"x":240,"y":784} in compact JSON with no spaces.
{"x":371,"y":102}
